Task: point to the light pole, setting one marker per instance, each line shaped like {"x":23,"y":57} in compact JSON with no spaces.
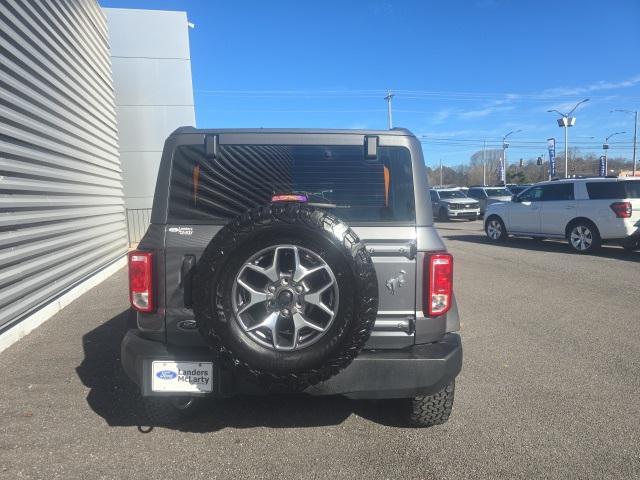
{"x":505,"y":145}
{"x":484,"y":163}
{"x":440,"y":172}
{"x":635,"y":134}
{"x":566,"y":121}
{"x":388,"y":98}
{"x":605,"y":147}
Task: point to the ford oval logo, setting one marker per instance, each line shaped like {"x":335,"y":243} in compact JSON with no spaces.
{"x":166,"y":375}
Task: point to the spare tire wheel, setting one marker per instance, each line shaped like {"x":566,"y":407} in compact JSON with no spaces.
{"x":287,"y":293}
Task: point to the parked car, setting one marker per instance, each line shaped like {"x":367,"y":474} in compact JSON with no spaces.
{"x":288,"y":261}
{"x":515,"y":189}
{"x":488,"y":195}
{"x":585,"y":212}
{"x":448,"y":203}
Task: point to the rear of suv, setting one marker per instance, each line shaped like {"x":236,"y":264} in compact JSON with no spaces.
{"x":586,"y":212}
{"x":293,"y":261}
{"x":449,"y":203}
{"x":489,"y":195}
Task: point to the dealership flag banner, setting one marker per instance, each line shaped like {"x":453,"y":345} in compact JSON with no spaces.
{"x":551,"y":145}
{"x":602,"y":166}
{"x":502,"y":172}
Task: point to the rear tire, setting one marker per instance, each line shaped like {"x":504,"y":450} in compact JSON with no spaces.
{"x":583,"y":237}
{"x":495,"y":229}
{"x":631,"y":246}
{"x":434,"y":409}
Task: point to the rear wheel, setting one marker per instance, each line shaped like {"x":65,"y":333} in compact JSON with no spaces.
{"x":495,"y":229}
{"x":583,"y":237}
{"x":631,"y":246}
{"x":434,"y":409}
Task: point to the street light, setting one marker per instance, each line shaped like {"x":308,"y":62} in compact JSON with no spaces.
{"x":388,"y":98}
{"x":505,"y":145}
{"x":565,"y":121}
{"x":635,"y":134}
{"x":605,"y":147}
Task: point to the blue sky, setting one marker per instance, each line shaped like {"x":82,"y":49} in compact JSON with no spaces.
{"x":462,"y":71}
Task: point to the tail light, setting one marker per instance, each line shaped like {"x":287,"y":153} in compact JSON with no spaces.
{"x":622,"y":209}
{"x":437,"y":284}
{"x":141,"y":281}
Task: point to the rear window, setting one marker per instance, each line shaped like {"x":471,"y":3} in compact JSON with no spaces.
{"x":336,"y":178}
{"x":498,"y":192}
{"x":451,"y":194}
{"x":612,"y":190}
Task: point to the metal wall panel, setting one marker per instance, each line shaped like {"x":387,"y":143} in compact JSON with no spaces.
{"x":61,"y":196}
{"x":151,"y":66}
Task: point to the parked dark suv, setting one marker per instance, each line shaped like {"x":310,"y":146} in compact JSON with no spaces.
{"x":293,"y":261}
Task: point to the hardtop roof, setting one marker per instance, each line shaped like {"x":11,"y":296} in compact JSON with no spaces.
{"x":321,"y":131}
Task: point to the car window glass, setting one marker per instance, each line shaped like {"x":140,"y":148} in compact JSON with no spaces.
{"x":336,"y":178}
{"x":557,"y":192}
{"x":612,"y":190}
{"x":534,"y":194}
{"x":498,"y":192}
{"x":451,"y":194}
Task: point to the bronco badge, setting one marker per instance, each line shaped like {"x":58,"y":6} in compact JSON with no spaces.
{"x":393,"y":284}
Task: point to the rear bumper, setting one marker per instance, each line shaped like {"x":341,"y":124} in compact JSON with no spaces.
{"x":419,"y":370}
{"x":464,"y":213}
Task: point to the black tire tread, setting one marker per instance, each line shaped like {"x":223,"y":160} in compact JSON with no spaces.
{"x":317,"y":220}
{"x":434,"y":409}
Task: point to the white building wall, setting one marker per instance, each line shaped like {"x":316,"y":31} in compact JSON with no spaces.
{"x":151,"y":66}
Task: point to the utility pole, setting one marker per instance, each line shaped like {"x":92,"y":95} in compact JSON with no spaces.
{"x":440,"y":172}
{"x":635,"y":135}
{"x":566,"y":121}
{"x":605,"y":147}
{"x":484,"y":163}
{"x":389,"y":114}
{"x":505,"y":145}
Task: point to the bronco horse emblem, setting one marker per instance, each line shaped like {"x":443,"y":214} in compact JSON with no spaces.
{"x":393,"y":284}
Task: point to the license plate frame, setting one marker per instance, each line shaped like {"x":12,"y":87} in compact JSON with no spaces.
{"x":176,"y":376}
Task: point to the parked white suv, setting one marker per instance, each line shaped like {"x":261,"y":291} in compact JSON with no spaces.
{"x":587,"y":212}
{"x":448,"y":203}
{"x":489,"y":195}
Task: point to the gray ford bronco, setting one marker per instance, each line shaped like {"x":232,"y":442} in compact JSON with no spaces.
{"x":293,"y":261}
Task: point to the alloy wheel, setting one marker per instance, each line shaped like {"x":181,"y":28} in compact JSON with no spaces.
{"x":494,"y":229}
{"x":285,"y":297}
{"x":581,"y":238}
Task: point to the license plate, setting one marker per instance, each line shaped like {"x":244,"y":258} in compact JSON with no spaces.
{"x":194,"y":377}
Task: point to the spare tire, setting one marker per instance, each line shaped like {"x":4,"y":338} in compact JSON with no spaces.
{"x":287,"y":294}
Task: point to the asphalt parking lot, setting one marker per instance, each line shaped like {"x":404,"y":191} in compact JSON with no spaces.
{"x":549,"y":389}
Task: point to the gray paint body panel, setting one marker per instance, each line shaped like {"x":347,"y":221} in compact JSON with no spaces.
{"x":61,"y":199}
{"x":400,"y":321}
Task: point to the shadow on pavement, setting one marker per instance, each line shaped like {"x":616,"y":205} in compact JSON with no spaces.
{"x":116,"y":399}
{"x":607,"y":251}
